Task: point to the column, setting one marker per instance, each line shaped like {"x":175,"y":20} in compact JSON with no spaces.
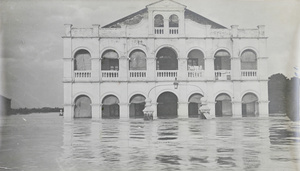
{"x":166,"y":25}
{"x":123,"y":68}
{"x":263,"y":103}
{"x":182,"y":61}
{"x":209,"y":72}
{"x":151,"y":62}
{"x":96,"y":111}
{"x":236,"y":100}
{"x":183,"y":109}
{"x":235,"y":61}
{"x":124,"y":111}
{"x":236,"y":109}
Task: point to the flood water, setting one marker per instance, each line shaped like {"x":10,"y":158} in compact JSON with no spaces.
{"x":45,"y":142}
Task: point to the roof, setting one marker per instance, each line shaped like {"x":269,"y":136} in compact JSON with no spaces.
{"x":131,"y":19}
{"x":188,"y":14}
{"x":139,"y":15}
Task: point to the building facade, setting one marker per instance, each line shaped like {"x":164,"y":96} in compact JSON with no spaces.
{"x":110,"y":71}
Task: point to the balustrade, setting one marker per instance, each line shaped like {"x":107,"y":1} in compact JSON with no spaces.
{"x":223,"y":75}
{"x":137,"y":74}
{"x":195,"y":74}
{"x":82,"y":74}
{"x":166,"y":74}
{"x":248,"y":73}
{"x":110,"y":74}
{"x":173,"y":31}
{"x":158,"y":30}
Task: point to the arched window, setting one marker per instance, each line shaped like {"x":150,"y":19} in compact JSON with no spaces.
{"x":222,"y":60}
{"x":195,"y":60}
{"x":82,"y":107}
{"x":248,"y":60}
{"x":223,"y":105}
{"x":166,"y":59}
{"x":173,"y":21}
{"x":137,"y":60}
{"x":249,"y":105}
{"x":136,"y":107}
{"x":82,"y":60}
{"x":110,"y":60}
{"x":158,"y":21}
{"x":110,"y":107}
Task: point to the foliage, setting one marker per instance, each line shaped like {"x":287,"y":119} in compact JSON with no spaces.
{"x":35,"y":110}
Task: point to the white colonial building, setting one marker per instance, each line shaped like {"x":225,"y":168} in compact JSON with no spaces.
{"x":109,"y":71}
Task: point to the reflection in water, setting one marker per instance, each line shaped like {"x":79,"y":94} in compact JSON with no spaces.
{"x":170,"y":144}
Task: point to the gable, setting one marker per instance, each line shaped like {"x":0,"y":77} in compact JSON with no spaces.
{"x":165,"y":4}
{"x":188,"y":14}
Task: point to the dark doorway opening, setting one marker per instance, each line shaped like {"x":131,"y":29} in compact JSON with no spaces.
{"x":110,"y":107}
{"x":223,"y":106}
{"x":167,"y":105}
{"x":83,"y":108}
{"x":194,"y":104}
{"x":136,"y":107}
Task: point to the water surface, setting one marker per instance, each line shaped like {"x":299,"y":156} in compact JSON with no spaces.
{"x":45,"y":142}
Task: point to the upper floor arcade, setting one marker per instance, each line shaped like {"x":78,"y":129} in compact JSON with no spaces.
{"x":167,"y":64}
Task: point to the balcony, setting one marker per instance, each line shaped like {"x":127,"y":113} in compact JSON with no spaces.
{"x":223,"y":75}
{"x":249,"y":74}
{"x":137,"y":74}
{"x":82,"y":74}
{"x":195,"y":74}
{"x":106,"y":75}
{"x":165,"y":74}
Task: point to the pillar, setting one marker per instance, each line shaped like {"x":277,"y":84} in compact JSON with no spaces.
{"x":123,"y":68}
{"x":183,"y":110}
{"x":96,"y":112}
{"x":236,"y":109}
{"x":124,"y":111}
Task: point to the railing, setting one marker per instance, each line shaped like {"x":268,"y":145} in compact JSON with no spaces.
{"x":223,"y":75}
{"x":249,"y":73}
{"x":195,"y":74}
{"x":166,"y":74}
{"x":110,"y":74}
{"x":82,"y":74}
{"x":137,"y":74}
{"x":173,"y":31}
{"x":159,"y":30}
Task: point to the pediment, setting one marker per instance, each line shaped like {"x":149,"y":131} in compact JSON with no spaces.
{"x":166,"y":4}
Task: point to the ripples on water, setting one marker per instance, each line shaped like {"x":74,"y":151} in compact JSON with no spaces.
{"x":45,"y":142}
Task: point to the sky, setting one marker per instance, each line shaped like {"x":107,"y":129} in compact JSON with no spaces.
{"x":31,"y":47}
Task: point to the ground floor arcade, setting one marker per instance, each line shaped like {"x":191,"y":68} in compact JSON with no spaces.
{"x":166,"y":101}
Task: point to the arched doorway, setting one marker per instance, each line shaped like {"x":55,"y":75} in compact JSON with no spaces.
{"x":110,"y":60}
{"x":223,"y":105}
{"x":83,"y":108}
{"x":167,"y":105}
{"x":248,"y":60}
{"x":249,"y":105}
{"x":110,"y":107}
{"x":138,"y":60}
{"x":222,"y":60}
{"x":136,"y":107}
{"x":82,"y":60}
{"x":194,"y":104}
{"x":195,"y":61}
{"x":166,"y":59}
